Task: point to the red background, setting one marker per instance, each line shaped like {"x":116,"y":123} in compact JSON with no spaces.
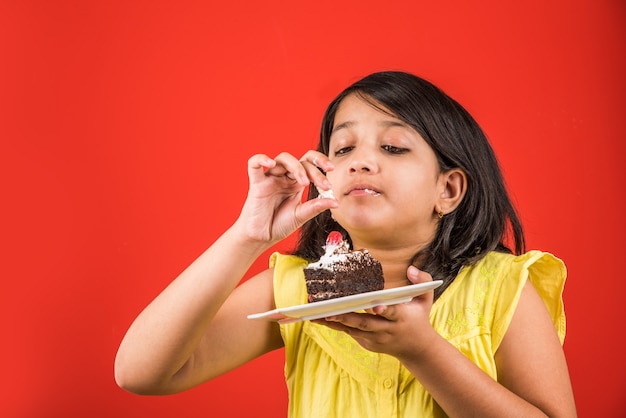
{"x":126,"y":127}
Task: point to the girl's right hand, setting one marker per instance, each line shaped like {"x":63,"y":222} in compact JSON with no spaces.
{"x":273,"y":208}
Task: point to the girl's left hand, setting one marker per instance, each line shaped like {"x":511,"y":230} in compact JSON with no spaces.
{"x":398,"y":330}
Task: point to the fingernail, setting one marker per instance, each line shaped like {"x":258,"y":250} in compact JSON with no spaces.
{"x":413,"y":271}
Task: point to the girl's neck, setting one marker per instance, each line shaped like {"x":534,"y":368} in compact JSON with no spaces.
{"x":395,"y":264}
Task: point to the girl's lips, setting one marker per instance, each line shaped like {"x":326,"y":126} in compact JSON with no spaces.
{"x":363,"y":190}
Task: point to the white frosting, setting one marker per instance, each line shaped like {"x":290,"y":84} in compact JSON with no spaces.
{"x":371,"y":192}
{"x":325,"y":194}
{"x":333,"y":253}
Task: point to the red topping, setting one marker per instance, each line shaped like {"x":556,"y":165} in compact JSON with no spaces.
{"x":334,"y":238}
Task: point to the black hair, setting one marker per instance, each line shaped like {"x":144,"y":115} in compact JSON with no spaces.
{"x":484,"y":221}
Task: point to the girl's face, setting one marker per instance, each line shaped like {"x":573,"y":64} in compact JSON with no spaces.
{"x":386,"y":177}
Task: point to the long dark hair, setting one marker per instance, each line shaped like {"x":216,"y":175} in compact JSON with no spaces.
{"x":484,"y":221}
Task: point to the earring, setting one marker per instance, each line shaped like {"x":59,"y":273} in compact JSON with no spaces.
{"x":440,"y":214}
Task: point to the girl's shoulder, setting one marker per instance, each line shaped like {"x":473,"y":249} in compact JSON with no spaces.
{"x":486,"y":293}
{"x":289,"y":285}
{"x":538,"y":266}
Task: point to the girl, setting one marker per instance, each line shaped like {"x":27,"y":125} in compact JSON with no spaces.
{"x":417,"y":184}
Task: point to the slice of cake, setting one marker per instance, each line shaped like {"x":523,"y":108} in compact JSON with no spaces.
{"x":341,"y":272}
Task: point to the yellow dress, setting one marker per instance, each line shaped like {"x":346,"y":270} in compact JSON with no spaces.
{"x":329,"y":375}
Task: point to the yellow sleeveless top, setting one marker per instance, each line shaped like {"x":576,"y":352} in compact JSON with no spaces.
{"x":328,"y":374}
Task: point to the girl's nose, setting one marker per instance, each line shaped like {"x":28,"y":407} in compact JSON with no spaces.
{"x":363,"y":162}
{"x":359,"y":166}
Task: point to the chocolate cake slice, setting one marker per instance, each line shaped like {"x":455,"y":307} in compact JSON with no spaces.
{"x":341,"y":272}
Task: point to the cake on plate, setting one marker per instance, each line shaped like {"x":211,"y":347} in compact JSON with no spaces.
{"x":342,"y":272}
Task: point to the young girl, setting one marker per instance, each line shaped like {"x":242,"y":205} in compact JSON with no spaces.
{"x":417,"y":184}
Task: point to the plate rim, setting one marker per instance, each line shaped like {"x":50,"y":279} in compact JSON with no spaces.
{"x":287,"y":313}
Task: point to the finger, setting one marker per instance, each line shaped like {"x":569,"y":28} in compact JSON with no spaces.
{"x":416,"y":276}
{"x":313,"y":162}
{"x":394,"y":312}
{"x":311,"y":208}
{"x":358,"y":321}
{"x":257,"y":165}
{"x":390,"y":313}
{"x":318,"y":160}
{"x":334,"y":324}
{"x":289,"y":166}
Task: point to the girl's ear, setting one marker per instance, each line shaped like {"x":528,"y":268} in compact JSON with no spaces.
{"x":454,"y":186}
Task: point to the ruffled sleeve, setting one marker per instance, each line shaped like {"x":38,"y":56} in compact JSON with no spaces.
{"x":547,"y":274}
{"x":475,"y":312}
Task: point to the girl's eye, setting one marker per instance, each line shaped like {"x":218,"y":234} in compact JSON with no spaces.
{"x":394,"y":150}
{"x":343,"y":150}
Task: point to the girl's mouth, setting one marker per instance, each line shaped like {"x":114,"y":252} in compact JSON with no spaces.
{"x":363,"y":191}
{"x":371,"y":192}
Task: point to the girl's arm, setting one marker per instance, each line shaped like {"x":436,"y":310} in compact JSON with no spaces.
{"x":533,"y":379}
{"x":197,"y":328}
{"x":192,"y":331}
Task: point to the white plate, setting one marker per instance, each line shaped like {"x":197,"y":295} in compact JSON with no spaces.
{"x":338,"y":306}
